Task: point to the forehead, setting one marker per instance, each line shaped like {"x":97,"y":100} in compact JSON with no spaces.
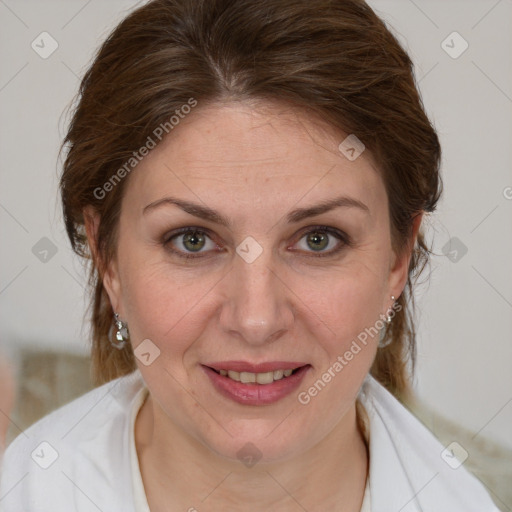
{"x":266,"y":148}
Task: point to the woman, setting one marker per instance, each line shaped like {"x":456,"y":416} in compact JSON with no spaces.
{"x":248,"y":179}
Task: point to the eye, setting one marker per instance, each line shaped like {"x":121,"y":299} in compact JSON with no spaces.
{"x":324,"y":241}
{"x":189,"y":242}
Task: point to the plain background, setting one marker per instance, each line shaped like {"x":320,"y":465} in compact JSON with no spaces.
{"x":464,"y":313}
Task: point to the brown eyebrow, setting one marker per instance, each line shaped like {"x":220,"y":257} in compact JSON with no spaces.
{"x":341,"y":201}
{"x":296,"y":215}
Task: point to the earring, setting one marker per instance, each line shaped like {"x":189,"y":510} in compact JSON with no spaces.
{"x":389,"y":317}
{"x":121,"y":336}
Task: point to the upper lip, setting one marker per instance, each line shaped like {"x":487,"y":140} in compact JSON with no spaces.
{"x":244,"y":366}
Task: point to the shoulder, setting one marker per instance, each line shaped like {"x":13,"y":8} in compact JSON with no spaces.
{"x":72,"y":454}
{"x":406,"y":457}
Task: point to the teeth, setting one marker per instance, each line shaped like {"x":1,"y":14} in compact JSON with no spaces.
{"x":247,"y":377}
{"x":264,"y":378}
{"x":278,"y":374}
{"x":260,"y":378}
{"x":234,"y":375}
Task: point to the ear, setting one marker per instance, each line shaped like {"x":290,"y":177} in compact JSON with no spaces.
{"x":109,"y":270}
{"x":399,"y":271}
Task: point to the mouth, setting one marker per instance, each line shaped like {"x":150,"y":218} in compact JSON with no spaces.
{"x":250,"y":384}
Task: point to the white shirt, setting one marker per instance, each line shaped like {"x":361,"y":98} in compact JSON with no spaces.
{"x":82,"y":458}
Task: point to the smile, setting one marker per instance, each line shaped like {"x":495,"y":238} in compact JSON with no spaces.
{"x":256,"y":387}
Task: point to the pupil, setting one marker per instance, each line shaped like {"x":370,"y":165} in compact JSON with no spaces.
{"x":194,"y":238}
{"x":318,"y":238}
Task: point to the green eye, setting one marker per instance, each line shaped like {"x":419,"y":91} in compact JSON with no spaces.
{"x":189,"y":243}
{"x":318,"y":239}
{"x":194,"y":241}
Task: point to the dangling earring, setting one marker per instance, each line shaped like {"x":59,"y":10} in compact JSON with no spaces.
{"x":121,"y":336}
{"x":389,"y":318}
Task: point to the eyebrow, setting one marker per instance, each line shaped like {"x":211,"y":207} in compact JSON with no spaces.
{"x":296,"y":215}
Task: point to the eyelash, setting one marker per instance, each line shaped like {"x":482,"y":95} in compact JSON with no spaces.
{"x":340,"y":235}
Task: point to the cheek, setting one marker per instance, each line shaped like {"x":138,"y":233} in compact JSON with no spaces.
{"x":347,"y":300}
{"x":153,"y":305}
{"x":351,"y":306}
{"x":155,"y":295}
{"x":165,"y":305}
{"x":360,"y":305}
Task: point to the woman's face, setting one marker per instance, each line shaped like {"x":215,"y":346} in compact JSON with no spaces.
{"x":226,"y":260}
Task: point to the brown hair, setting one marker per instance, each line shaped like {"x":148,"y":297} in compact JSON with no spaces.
{"x":335,"y":58}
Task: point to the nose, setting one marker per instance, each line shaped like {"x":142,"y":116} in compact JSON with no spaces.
{"x":257,"y":307}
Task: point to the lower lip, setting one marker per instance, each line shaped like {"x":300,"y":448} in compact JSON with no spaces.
{"x":256,"y":394}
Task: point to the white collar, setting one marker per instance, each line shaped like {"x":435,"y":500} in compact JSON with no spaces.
{"x":407,"y":472}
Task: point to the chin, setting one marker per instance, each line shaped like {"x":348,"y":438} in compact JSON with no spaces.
{"x":252,"y":442}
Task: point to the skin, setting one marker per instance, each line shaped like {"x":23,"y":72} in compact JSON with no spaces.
{"x":253,"y":163}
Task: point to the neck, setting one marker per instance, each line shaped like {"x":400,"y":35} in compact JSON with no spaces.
{"x":330,"y":476}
